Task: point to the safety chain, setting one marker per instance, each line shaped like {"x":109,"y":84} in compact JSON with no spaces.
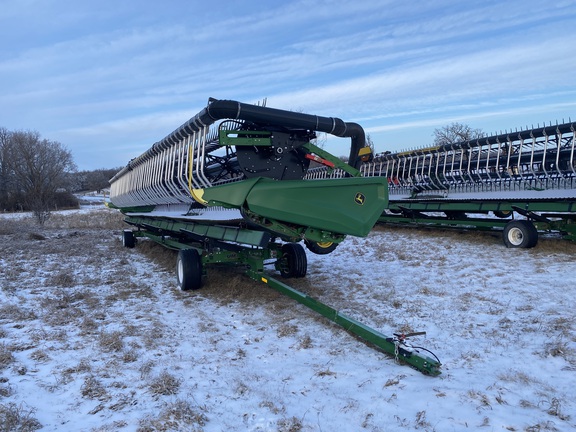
{"x":400,"y":338}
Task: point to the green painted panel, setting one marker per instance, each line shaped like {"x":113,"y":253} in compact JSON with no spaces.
{"x":346,"y":206}
{"x":229,"y":195}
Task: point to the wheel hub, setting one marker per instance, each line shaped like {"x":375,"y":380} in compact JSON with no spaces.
{"x":515,"y":236}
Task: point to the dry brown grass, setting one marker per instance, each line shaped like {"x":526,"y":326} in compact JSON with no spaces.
{"x":305,"y":342}
{"x":164,"y":384}
{"x":292,"y":424}
{"x":152,"y":337}
{"x":178,"y":415}
{"x":16,"y":313}
{"x":286,"y":329}
{"x":9,"y":226}
{"x":39,"y":356}
{"x":18,"y":418}
{"x":102,"y":219}
{"x":6,"y":356}
{"x":111,"y":341}
{"x":5,"y":388}
{"x":92,"y":388}
{"x":158,"y":253}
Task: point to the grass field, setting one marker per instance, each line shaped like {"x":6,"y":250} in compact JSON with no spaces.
{"x":96,"y":337}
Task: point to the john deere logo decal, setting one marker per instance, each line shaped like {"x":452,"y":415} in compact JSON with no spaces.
{"x":359,"y":198}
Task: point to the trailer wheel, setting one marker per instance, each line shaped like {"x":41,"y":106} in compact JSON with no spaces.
{"x":455,"y":214}
{"x":520,"y":234}
{"x":189,"y":269}
{"x":320,"y":248}
{"x":503,"y":214}
{"x":293,"y":262}
{"x":128,"y":239}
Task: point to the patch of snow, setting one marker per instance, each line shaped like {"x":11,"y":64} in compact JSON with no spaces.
{"x":500,"y":320}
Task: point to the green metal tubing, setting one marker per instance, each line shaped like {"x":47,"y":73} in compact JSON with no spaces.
{"x":235,"y":138}
{"x":221,"y":233}
{"x":167,"y":242}
{"x":421,"y":362}
{"x":566,"y":227}
{"x":478,"y":223}
{"x":336,"y":161}
{"x":484,"y":206}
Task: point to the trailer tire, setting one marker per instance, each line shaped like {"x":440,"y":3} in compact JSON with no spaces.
{"x":455,"y":214}
{"x":320,"y":248}
{"x":520,"y":234}
{"x":503,"y":214}
{"x":128,"y":239}
{"x":293,"y":262}
{"x":189,"y":269}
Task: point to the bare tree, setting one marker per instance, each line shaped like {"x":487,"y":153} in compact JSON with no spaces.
{"x":40,"y":169}
{"x":94,"y":180}
{"x":369,"y":143}
{"x":455,"y":132}
{"x":4,"y":169}
{"x":320,"y":140}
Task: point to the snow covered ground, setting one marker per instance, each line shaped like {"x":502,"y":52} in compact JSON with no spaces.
{"x":96,"y":337}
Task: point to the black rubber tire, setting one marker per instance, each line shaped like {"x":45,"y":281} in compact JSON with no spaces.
{"x":320,"y":248}
{"x":456,"y":215}
{"x":128,"y":239}
{"x":293,"y":262}
{"x":520,"y":234}
{"x":189,"y":270}
{"x":503,"y":214}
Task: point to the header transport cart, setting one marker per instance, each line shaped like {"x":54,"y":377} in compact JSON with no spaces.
{"x":230,"y":186}
{"x":517,"y":182}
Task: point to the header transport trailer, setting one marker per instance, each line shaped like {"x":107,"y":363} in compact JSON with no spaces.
{"x":519,"y":182}
{"x":230,"y":186}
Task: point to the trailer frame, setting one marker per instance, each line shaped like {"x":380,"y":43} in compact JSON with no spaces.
{"x":544,"y":216}
{"x":201,"y":245}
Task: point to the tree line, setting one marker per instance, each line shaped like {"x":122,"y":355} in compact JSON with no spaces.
{"x":39,"y":175}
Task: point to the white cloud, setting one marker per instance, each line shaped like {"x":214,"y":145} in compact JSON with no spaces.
{"x":104,"y":72}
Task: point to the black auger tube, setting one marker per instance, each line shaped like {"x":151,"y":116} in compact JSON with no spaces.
{"x":229,"y":109}
{"x":221,"y":109}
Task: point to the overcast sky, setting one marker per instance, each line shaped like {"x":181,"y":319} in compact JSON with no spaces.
{"x":107,"y":79}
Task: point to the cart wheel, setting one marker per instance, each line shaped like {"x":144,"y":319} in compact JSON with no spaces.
{"x":320,"y":248}
{"x":520,"y":234}
{"x":293,"y":262}
{"x":189,"y":269}
{"x":455,"y":215}
{"x":128,"y":239}
{"x":503,"y":214}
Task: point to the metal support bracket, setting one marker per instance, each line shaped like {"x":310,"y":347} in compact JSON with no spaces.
{"x":531,"y":214}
